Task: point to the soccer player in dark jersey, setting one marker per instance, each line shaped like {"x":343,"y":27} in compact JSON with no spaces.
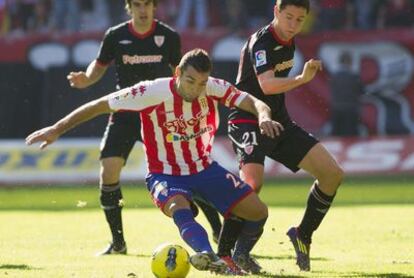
{"x":180,"y":117}
{"x":142,"y":48}
{"x":266,"y":60}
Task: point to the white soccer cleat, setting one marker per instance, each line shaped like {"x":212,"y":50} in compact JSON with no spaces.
{"x":208,"y":261}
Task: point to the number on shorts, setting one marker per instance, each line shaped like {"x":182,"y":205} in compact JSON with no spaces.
{"x":235,"y":181}
{"x":249,"y":138}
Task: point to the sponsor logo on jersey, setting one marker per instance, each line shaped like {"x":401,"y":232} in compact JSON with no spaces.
{"x":176,"y":137}
{"x":179,"y":125}
{"x":125,"y":42}
{"x":141,"y":59}
{"x":159,"y":40}
{"x":283,"y":66}
{"x":278,"y":47}
{"x":260,"y":58}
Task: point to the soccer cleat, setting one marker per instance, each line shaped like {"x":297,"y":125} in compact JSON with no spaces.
{"x":301,"y":248}
{"x":248,"y":264}
{"x":233,"y":268}
{"x":113,"y":249}
{"x":208,"y":261}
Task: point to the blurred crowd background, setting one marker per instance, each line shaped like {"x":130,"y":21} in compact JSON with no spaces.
{"x":22,"y":17}
{"x":366,"y":47}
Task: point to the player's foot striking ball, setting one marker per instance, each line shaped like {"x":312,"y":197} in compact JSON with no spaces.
{"x":208,"y":261}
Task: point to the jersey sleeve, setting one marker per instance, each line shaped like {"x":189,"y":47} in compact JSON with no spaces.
{"x":224,"y":92}
{"x":107,"y":49}
{"x":261,"y":58}
{"x":138,"y":97}
{"x":175,"y":56}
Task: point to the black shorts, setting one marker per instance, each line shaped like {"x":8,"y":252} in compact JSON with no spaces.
{"x":252,"y":147}
{"x":121,"y":133}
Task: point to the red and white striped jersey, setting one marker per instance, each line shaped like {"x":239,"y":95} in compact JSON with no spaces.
{"x":177,"y":135}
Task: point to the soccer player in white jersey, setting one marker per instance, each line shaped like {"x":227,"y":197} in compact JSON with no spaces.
{"x":179,"y":119}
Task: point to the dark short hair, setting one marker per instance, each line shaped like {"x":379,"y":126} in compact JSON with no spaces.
{"x":128,"y":5}
{"x":197,"y":58}
{"x":281,"y":4}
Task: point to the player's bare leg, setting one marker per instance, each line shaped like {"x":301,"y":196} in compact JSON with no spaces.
{"x":252,"y":174}
{"x":112,"y":203}
{"x":320,"y":164}
{"x":323,"y":166}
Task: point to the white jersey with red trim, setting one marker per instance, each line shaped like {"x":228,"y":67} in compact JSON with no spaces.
{"x":177,"y":135}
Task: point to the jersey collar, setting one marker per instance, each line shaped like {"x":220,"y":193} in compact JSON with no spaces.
{"x":277,"y":38}
{"x":144,"y":35}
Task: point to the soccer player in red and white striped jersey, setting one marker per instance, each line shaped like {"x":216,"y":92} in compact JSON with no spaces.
{"x":179,"y":119}
{"x":178,"y":131}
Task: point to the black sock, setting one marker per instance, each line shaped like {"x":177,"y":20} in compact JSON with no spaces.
{"x":230,"y":232}
{"x":111,"y":202}
{"x":211,"y":215}
{"x":317,"y":207}
{"x":250,"y":234}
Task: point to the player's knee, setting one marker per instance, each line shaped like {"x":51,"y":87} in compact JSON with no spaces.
{"x":175,"y":203}
{"x":259,"y":212}
{"x":111,"y":169}
{"x":109,"y":177}
{"x":331,"y":178}
{"x":337,"y":175}
{"x":110,"y":172}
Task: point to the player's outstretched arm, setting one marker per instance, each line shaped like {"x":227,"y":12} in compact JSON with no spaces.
{"x":257,"y":107}
{"x":81,"y":79}
{"x":272,"y":85}
{"x":82,"y":114}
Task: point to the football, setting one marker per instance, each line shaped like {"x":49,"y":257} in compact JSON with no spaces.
{"x":170,"y":261}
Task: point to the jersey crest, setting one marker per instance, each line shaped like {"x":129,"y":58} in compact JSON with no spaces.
{"x":159,"y":40}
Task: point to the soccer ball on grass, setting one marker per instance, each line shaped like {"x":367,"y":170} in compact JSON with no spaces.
{"x":170,"y":261}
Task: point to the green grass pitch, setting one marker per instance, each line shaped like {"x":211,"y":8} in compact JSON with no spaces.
{"x":52,"y":231}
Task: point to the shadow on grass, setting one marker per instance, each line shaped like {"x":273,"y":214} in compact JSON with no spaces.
{"x":18,"y":266}
{"x":368,"y":274}
{"x":286,"y":257}
{"x":270,"y":275}
{"x":141,"y":255}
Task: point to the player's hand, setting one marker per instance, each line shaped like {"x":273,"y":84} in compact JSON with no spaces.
{"x":78,"y":79}
{"x":45,"y":135}
{"x":310,"y":69}
{"x":270,"y":128}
